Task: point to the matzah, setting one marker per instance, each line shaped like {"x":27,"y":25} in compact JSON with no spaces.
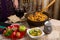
{"x":14,"y":18}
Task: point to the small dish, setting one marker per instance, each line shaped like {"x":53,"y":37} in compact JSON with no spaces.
{"x":35,"y":37}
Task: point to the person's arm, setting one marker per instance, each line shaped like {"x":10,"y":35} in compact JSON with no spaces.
{"x":15,"y":4}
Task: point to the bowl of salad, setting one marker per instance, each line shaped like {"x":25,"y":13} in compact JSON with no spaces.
{"x":35,"y":32}
{"x":15,"y":31}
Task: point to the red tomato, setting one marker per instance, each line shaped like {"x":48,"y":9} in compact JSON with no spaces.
{"x":13,"y":35}
{"x":18,"y":34}
{"x":15,"y":27}
{"x":4,"y":32}
{"x":10,"y":27}
{"x":22,"y":33}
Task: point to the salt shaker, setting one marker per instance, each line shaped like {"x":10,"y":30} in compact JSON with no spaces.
{"x":47,"y":27}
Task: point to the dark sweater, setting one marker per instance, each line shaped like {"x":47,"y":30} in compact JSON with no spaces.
{"x":6,"y":9}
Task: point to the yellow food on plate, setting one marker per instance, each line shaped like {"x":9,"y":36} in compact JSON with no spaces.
{"x":37,"y":17}
{"x":35,"y":32}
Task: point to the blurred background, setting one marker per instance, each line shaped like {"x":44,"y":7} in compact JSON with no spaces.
{"x":38,"y":5}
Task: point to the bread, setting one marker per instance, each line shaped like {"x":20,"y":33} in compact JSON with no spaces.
{"x":14,"y":18}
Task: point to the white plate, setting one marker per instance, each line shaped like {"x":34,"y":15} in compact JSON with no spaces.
{"x":35,"y":37}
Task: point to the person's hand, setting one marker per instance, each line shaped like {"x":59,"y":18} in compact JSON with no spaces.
{"x":15,"y":4}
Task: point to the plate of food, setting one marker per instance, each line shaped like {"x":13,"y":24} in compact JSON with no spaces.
{"x":35,"y":32}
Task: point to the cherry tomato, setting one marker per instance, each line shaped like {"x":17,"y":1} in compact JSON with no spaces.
{"x":22,"y":34}
{"x":15,"y":25}
{"x":18,"y":35}
{"x":13,"y":35}
{"x":10,"y":27}
{"x":4,"y":32}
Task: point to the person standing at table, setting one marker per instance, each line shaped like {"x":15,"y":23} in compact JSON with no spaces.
{"x":7,"y":8}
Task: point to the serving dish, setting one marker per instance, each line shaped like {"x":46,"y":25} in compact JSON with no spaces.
{"x":35,"y":36}
{"x":15,"y":31}
{"x":34,"y":23}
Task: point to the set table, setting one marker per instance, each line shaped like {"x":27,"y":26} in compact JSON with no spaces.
{"x":54,"y":35}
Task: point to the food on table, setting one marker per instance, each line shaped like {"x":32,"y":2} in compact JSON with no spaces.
{"x":37,"y":17}
{"x":4,"y":32}
{"x":22,"y":28}
{"x":18,"y":34}
{"x":14,"y":18}
{"x":35,"y":32}
{"x":15,"y":31}
{"x":8,"y":33}
{"x":13,"y":35}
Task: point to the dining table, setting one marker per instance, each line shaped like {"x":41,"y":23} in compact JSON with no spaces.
{"x":54,"y":35}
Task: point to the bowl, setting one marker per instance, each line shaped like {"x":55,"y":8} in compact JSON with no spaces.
{"x":14,"y":31}
{"x":34,"y":23}
{"x":35,"y":37}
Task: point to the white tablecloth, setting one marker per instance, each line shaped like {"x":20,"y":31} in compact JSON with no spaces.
{"x":54,"y":35}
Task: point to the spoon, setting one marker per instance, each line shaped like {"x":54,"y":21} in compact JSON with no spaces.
{"x":47,"y":6}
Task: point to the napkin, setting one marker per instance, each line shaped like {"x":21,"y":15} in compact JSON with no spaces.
{"x":14,"y":18}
